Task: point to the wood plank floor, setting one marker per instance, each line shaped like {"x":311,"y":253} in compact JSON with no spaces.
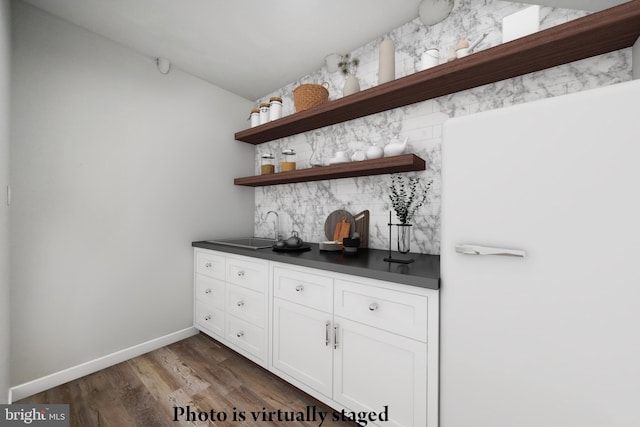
{"x":197,"y":372}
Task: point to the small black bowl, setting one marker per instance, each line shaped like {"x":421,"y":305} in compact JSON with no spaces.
{"x":351,"y":243}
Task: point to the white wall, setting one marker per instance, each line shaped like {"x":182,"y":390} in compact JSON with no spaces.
{"x":636,"y":59}
{"x":4,"y":209}
{"x":420,"y":122}
{"x":116,"y":169}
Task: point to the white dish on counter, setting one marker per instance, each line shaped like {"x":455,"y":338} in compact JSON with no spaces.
{"x":330,"y":245}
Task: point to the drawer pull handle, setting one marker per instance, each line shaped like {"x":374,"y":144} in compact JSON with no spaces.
{"x":326,"y":333}
{"x":373,"y":306}
{"x":240,"y":303}
{"x":240,"y":334}
{"x":335,"y":337}
{"x":299,"y":288}
{"x":207,"y":317}
{"x":207,"y":291}
{"x":240,"y":273}
{"x":208,"y":265}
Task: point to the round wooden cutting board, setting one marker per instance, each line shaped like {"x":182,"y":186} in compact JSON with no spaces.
{"x":334,"y":219}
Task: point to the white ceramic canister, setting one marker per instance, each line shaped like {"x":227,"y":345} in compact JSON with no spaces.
{"x":374,"y":152}
{"x":275,"y":108}
{"x":430,"y":58}
{"x":255,"y":117}
{"x":264,"y":113}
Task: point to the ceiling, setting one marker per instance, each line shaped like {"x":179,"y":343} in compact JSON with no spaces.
{"x":249,"y":47}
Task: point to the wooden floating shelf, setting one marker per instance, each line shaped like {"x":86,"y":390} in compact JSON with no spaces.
{"x":611,"y":29}
{"x":402,"y":163}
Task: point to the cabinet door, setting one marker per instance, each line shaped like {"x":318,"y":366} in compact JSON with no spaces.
{"x":302,"y":345}
{"x":375,"y":368}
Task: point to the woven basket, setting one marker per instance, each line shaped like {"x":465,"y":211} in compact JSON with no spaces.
{"x":309,"y":95}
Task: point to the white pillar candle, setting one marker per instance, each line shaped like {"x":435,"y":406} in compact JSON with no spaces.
{"x":387,"y":70}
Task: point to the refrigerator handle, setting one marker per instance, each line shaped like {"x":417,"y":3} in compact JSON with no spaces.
{"x":485,"y":250}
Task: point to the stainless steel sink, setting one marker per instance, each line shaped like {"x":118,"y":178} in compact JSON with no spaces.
{"x":246,"y":242}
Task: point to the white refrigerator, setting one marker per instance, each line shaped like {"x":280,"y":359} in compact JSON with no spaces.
{"x":540,"y":264}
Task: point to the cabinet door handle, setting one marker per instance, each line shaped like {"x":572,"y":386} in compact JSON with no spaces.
{"x":373,"y":306}
{"x":486,"y":250}
{"x":207,"y":317}
{"x":207,"y":291}
{"x":299,"y":288}
{"x":240,"y":334}
{"x":240,"y":303}
{"x":326,"y":333}
{"x":241,"y":273}
{"x":207,"y":265}
{"x":335,"y":337}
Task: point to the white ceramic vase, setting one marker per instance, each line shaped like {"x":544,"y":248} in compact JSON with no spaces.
{"x":351,"y":85}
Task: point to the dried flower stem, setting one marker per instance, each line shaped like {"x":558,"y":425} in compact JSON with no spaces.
{"x":407,"y":196}
{"x":348,"y":65}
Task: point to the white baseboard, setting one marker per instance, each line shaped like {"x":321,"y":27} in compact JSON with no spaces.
{"x":58,"y":378}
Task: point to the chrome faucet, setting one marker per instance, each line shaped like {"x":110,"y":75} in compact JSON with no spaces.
{"x":277,"y":221}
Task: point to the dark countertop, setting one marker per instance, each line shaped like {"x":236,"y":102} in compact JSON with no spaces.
{"x":424,"y":272}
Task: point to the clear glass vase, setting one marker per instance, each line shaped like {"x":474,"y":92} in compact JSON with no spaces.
{"x":404,"y":238}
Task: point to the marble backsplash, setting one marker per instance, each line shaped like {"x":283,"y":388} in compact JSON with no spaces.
{"x":304,"y":207}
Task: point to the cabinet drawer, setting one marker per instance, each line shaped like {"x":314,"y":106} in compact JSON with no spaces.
{"x":246,"y":304}
{"x":252,"y":275}
{"x":210,"y":265}
{"x":209,"y":318}
{"x":210,"y":291}
{"x":395,"y":311}
{"x":310,"y":290}
{"x":247,"y":336}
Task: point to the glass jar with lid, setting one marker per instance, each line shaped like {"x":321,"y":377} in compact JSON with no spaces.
{"x":275,"y":108}
{"x":255,"y":117}
{"x":288,"y":162}
{"x":268,"y":164}
{"x":264,"y":113}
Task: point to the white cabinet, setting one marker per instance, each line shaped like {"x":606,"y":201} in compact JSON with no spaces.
{"x":357,"y":344}
{"x":381,"y":352}
{"x":353,"y":343}
{"x":209,"y":292}
{"x":231,"y":303}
